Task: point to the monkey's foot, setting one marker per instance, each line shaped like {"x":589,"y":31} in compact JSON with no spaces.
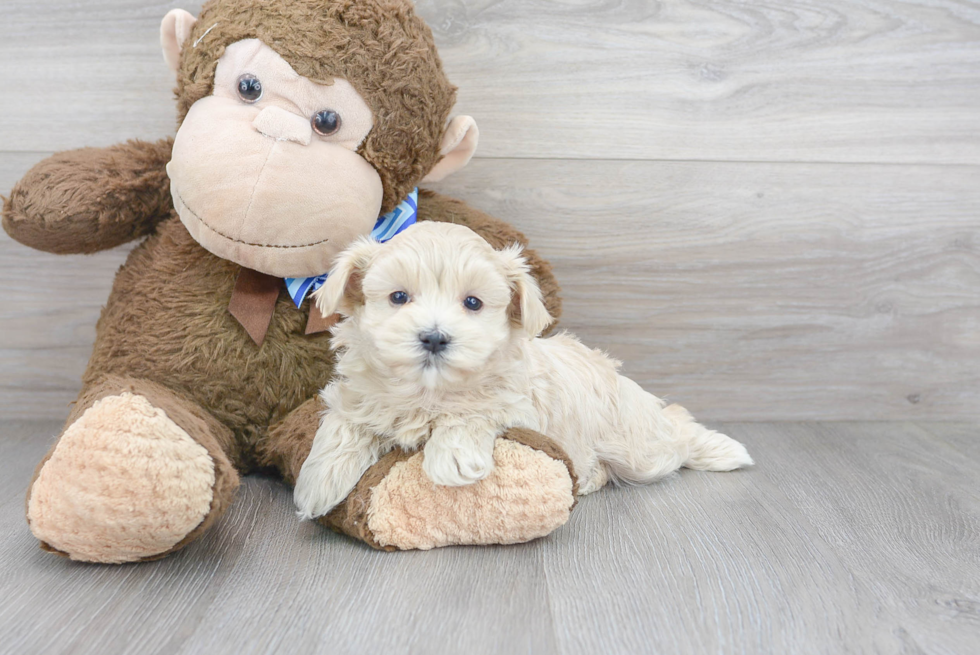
{"x":395,"y":506}
{"x":124,"y":483}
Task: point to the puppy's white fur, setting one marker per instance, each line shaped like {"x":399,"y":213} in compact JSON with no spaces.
{"x":493,"y":375}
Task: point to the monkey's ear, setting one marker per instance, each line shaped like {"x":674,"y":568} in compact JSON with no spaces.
{"x":527,"y":304}
{"x":342,"y":291}
{"x":174,"y":30}
{"x":458,"y":145}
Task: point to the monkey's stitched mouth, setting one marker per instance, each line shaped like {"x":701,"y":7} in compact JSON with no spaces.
{"x":234,"y":240}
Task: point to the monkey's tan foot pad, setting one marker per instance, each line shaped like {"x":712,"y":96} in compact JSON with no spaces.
{"x":124,"y":483}
{"x":395,"y":506}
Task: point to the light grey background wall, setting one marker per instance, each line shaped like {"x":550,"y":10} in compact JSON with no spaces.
{"x":766,"y":211}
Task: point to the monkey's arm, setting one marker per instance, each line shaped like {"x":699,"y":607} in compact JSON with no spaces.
{"x":436,"y":207}
{"x":83,"y":201}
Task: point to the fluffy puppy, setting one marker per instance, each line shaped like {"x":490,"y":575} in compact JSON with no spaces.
{"x":439,"y":350}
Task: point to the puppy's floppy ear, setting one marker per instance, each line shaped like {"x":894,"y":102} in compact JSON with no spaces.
{"x":342,"y":290}
{"x":527,"y":304}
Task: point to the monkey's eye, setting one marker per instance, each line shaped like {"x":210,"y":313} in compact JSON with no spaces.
{"x":326,"y":122}
{"x":398,"y":298}
{"x":249,"y":88}
{"x":472,"y":304}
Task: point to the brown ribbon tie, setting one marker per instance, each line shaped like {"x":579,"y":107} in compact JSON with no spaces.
{"x":253,"y":302}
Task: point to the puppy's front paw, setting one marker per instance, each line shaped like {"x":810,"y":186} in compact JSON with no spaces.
{"x":456,"y":465}
{"x":326,"y":480}
{"x":340,"y":455}
{"x":318,"y":491}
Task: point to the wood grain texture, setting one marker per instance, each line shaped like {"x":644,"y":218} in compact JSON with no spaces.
{"x":900,"y":506}
{"x":770,"y":290}
{"x":845,"y":538}
{"x":749,"y":292}
{"x":49,"y":305}
{"x":775,"y":289}
{"x":712,"y":564}
{"x":840,"y":80}
{"x":763,"y":291}
{"x":851,"y":80}
{"x":84,"y":74}
{"x":964,"y":437}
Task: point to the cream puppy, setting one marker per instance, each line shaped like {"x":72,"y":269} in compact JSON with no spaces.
{"x":439,"y":350}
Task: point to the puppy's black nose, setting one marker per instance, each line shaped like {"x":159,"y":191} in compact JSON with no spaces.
{"x":434,"y":342}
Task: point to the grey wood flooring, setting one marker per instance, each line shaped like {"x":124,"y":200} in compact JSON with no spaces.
{"x":753,"y":292}
{"x":766,"y":210}
{"x":720,"y":80}
{"x":845,"y":538}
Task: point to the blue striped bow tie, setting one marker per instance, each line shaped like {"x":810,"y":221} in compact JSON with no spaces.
{"x":392,"y":223}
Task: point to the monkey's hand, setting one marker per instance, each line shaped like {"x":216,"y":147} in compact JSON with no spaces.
{"x":83,"y":201}
{"x":527,"y":493}
{"x":395,"y":506}
{"x":340,"y":455}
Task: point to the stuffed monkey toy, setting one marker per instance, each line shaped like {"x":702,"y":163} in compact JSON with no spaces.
{"x":300,"y":123}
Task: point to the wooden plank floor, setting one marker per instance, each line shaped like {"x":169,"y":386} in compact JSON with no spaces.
{"x":803,"y":176}
{"x":721,"y":80}
{"x":845,"y":538}
{"x":764,"y":291}
{"x":768,"y":211}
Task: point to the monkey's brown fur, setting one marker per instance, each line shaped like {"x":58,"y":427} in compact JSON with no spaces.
{"x":166,"y":332}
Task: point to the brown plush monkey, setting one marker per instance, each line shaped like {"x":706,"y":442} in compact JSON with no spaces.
{"x":300,"y":123}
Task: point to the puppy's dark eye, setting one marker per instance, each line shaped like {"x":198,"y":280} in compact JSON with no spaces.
{"x":472,"y":304}
{"x":249,"y":88}
{"x":398,"y":298}
{"x":326,"y":122}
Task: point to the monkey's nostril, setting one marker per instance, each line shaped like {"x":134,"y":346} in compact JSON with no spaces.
{"x":435,"y":342}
